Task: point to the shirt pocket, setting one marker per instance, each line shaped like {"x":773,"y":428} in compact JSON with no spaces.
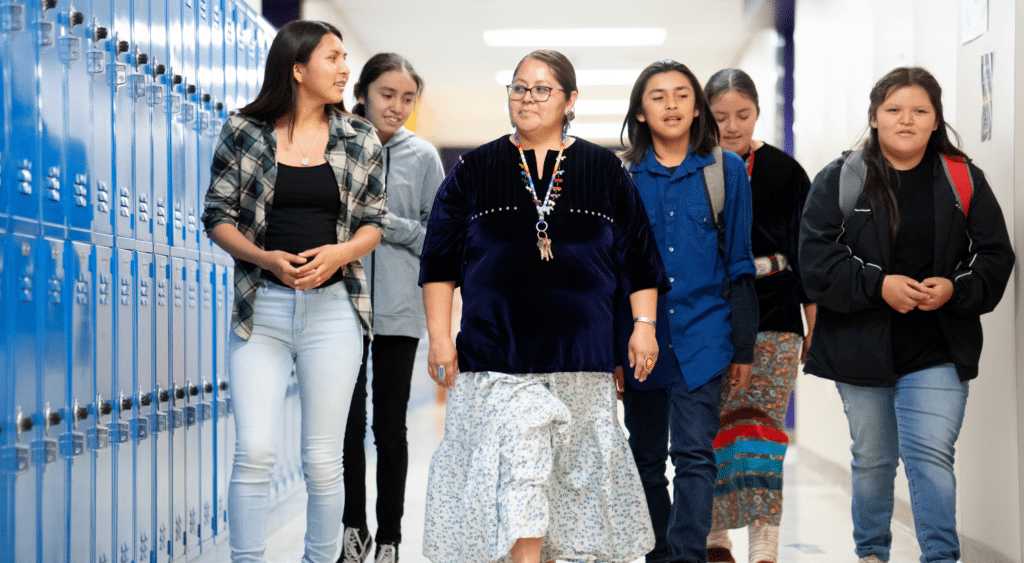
{"x":700,"y":231}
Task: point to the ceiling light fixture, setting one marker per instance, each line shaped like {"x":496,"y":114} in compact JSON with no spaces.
{"x":601,"y":107}
{"x":576,"y":37}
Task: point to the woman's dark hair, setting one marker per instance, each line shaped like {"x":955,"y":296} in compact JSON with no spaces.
{"x":563,"y":71}
{"x":703,"y":130}
{"x":729,"y":80}
{"x":379,"y":64}
{"x":294,"y":43}
{"x":876,"y":181}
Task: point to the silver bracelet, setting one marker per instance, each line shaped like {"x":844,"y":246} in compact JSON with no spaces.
{"x":645,"y":320}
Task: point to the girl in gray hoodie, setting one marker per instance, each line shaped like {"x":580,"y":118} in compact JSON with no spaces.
{"x":387,"y":91}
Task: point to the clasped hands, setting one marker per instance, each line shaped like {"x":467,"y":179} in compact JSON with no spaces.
{"x":906,"y":294}
{"x":309,"y":268}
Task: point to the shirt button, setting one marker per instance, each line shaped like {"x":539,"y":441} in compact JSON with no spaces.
{"x":669,"y":345}
{"x":671,"y":213}
{"x":672,"y":279}
{"x":671,"y":311}
{"x":670,"y":249}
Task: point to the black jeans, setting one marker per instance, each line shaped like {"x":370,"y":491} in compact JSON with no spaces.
{"x":393,"y":359}
{"x":645,"y":414}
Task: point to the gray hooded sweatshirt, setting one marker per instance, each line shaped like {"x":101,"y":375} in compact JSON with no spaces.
{"x":413,"y":173}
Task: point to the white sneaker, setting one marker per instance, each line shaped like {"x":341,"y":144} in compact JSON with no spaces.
{"x":354,"y":548}
{"x":387,"y":553}
{"x":870,"y":559}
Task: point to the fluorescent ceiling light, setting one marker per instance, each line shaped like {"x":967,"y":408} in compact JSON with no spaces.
{"x":601,"y":107}
{"x":576,"y":37}
{"x":587,"y":77}
{"x":595,"y":130}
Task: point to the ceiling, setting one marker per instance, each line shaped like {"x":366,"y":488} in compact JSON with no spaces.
{"x":463,"y":103}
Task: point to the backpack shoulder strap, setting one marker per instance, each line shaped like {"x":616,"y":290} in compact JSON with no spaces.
{"x":851,"y":182}
{"x":714,"y":185}
{"x":959,"y":176}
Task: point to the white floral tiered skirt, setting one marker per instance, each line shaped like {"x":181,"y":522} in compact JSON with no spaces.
{"x":527,"y":456}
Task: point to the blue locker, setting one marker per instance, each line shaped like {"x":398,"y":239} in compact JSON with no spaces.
{"x":143,"y":411}
{"x":52,"y":126}
{"x":232,"y":21}
{"x":224,"y":437}
{"x":24,"y":300}
{"x":157,"y":98}
{"x":125,"y":57}
{"x":176,"y":420}
{"x":10,"y":450}
{"x":190,"y":117}
{"x":73,"y":47}
{"x":142,"y":70}
{"x":51,"y":401}
{"x":123,"y":391}
{"x":193,"y":445}
{"x":207,"y":423}
{"x":105,"y":72}
{"x":22,"y":56}
{"x":159,"y":427}
{"x":80,"y":349}
{"x":98,"y":437}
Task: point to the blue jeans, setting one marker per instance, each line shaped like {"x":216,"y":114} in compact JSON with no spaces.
{"x":918,"y":420}
{"x":645,"y":414}
{"x":318,"y":334}
{"x":693,"y":419}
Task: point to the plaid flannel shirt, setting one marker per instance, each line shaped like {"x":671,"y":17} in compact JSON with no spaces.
{"x":241,"y":193}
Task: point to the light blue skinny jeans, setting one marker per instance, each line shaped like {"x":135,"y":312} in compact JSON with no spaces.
{"x":317,"y":332}
{"x":918,"y":420}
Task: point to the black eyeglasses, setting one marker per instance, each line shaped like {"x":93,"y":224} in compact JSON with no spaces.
{"x":538,"y":93}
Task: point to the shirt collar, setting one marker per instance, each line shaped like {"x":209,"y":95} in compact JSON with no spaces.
{"x":689,"y":165}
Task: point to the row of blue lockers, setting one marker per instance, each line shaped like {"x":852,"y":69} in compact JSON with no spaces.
{"x":111,"y":112}
{"x":116,"y":432}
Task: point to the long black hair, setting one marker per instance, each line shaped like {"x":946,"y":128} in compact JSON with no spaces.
{"x":876,"y":181}
{"x":703,"y":130}
{"x":379,"y":64}
{"x":278,"y":96}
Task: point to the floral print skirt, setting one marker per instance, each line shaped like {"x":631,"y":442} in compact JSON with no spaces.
{"x":526,"y":456}
{"x":751,"y":441}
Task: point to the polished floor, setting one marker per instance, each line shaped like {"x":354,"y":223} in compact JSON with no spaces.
{"x":815,"y":526}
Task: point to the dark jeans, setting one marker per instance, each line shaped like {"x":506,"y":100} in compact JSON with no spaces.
{"x":646,"y":418}
{"x":393,"y":359}
{"x":693,"y":420}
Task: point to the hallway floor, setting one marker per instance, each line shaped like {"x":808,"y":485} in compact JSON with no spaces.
{"x":815,"y":526}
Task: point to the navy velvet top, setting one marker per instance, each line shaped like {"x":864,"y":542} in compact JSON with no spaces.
{"x":521,"y":314}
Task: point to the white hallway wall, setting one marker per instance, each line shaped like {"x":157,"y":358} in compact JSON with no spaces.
{"x":842,"y":48}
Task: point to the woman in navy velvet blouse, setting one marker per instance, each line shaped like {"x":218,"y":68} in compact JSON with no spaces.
{"x":539,"y":230}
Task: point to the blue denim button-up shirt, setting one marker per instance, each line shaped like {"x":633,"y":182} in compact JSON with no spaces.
{"x":698,"y":313}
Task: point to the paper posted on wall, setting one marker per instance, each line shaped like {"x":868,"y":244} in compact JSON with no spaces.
{"x":986,"y":97}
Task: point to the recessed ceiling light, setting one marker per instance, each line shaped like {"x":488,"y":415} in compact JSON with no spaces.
{"x":576,"y":37}
{"x":596,"y":130}
{"x":587,"y":77}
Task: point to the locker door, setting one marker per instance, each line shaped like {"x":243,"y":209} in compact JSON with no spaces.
{"x":191,"y":120}
{"x":80,"y":345}
{"x":73,"y":47}
{"x":194,"y":524}
{"x":143,"y":410}
{"x":104,"y":74}
{"x":53,"y":194}
{"x":207,"y":424}
{"x":142,"y":69}
{"x":156,"y":97}
{"x":125,"y":58}
{"x":25,"y":297}
{"x":52,"y":471}
{"x":174,"y":98}
{"x":14,"y":458}
{"x":176,"y":421}
{"x":232,"y":19}
{"x":98,"y":437}
{"x":159,"y":429}
{"x":21,"y":51}
{"x":225,"y":443}
{"x":123,"y":392}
